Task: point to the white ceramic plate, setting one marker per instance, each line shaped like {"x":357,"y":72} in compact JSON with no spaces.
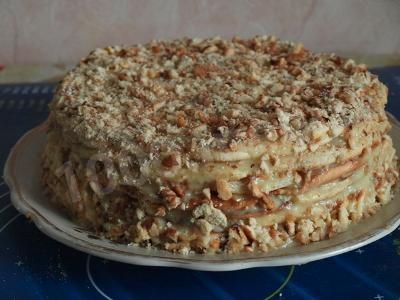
{"x":22,"y":175}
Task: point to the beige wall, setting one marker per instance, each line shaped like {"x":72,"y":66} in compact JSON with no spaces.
{"x":41,"y":31}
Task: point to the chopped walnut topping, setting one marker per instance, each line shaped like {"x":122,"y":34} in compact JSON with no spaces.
{"x":179,"y":189}
{"x":229,"y":52}
{"x":169,"y":95}
{"x":207,"y":193}
{"x":237,"y":239}
{"x":181,"y":121}
{"x":249,"y":232}
{"x":170,"y":197}
{"x":290,"y":227}
{"x":160,"y":212}
{"x":139,"y":213}
{"x":200,"y":71}
{"x":211,"y":214}
{"x":211,"y":49}
{"x":171,"y":160}
{"x":269,"y":203}
{"x":305,"y":229}
{"x":204,"y":226}
{"x":223,"y":189}
{"x":215,"y":243}
{"x":255,"y":189}
{"x":265,"y":164}
{"x":272,"y":135}
{"x":171,"y":234}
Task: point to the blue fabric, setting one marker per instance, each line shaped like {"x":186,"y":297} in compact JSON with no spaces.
{"x":33,"y":266}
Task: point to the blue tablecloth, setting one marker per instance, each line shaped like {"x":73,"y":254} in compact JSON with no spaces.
{"x":33,"y":266}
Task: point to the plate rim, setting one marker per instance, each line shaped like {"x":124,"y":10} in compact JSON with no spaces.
{"x":52,"y":231}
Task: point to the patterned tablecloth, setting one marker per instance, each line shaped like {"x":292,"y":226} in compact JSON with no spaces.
{"x":33,"y":266}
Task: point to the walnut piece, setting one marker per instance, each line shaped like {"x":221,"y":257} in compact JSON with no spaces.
{"x":223,"y":189}
{"x":211,"y":214}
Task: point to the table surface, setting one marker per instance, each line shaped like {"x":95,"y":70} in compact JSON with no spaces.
{"x":33,"y":266}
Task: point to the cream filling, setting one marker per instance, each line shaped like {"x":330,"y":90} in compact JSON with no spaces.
{"x":297,"y":210}
{"x":381,"y":155}
{"x":247,"y":151}
{"x":201,"y":173}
